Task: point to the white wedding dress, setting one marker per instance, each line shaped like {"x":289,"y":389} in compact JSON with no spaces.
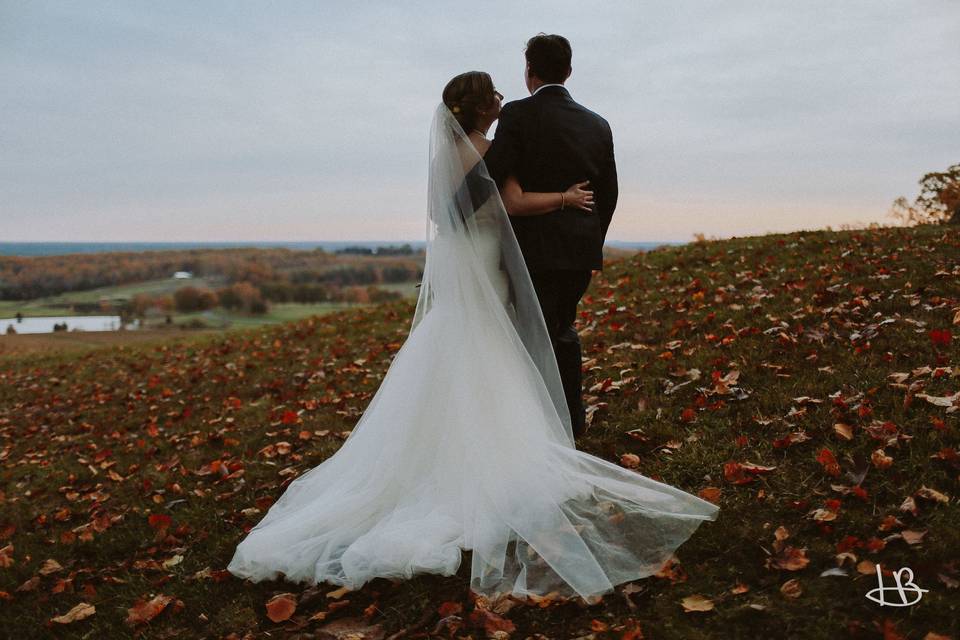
{"x":466,"y":446}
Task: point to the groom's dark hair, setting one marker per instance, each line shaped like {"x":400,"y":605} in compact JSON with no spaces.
{"x":549,"y":57}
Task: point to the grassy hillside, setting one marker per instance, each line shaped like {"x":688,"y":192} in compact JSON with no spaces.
{"x":805,"y":382}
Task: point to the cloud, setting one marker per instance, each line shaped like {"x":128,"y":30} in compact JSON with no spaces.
{"x":194,"y":121}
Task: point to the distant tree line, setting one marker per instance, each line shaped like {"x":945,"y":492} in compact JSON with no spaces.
{"x":279,"y":274}
{"x":247,"y":298}
{"x":404,"y":250}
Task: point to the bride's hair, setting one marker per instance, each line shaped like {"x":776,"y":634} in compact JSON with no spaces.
{"x":465,"y":94}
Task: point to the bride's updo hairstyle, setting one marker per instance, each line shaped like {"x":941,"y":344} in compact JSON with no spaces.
{"x":466,"y":94}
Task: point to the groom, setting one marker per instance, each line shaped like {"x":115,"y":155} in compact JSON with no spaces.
{"x":548,"y":142}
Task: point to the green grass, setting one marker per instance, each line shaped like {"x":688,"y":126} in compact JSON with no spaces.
{"x":59,"y":304}
{"x":279,"y":312}
{"x":780,"y":309}
{"x":408,"y":289}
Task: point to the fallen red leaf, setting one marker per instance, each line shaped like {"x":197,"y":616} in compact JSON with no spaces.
{"x":829,"y":462}
{"x":449,"y":609}
{"x":940,"y":337}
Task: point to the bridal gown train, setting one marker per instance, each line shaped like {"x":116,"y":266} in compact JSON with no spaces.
{"x":457,"y":450}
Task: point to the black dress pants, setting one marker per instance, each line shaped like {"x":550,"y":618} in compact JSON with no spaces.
{"x":559,"y":291}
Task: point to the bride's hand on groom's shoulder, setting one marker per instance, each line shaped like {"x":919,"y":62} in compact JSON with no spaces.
{"x":577,"y":196}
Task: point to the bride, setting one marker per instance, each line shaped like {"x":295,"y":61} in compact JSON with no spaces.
{"x":467,"y":443}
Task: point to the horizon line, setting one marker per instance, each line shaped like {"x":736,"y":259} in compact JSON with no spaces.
{"x":246,"y":241}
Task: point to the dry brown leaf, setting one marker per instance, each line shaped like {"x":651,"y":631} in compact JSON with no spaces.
{"x":79,"y":612}
{"x":505,"y":602}
{"x":490,"y":621}
{"x":880,"y":459}
{"x":913,"y":537}
{"x":844,"y":557}
{"x":789,"y":559}
{"x":6,"y":555}
{"x":941,"y":401}
{"x":30,"y":584}
{"x":350,"y":629}
{"x":672,"y":570}
{"x":49,"y":566}
{"x":823,"y":515}
{"x":866,"y":567}
{"x":145,"y":611}
{"x":339,"y":593}
{"x":62,"y":585}
{"x":544,"y":601}
{"x":932,"y":494}
{"x":948,"y":582}
{"x":791,"y":588}
{"x":696,"y":603}
{"x":756,"y":468}
{"x":909,"y":505}
{"x":845,"y":431}
{"x":172,"y":561}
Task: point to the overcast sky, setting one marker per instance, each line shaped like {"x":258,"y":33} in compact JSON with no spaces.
{"x":183,"y":121}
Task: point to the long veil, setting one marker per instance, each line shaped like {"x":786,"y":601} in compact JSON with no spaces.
{"x":467,"y":218}
{"x":467,"y":443}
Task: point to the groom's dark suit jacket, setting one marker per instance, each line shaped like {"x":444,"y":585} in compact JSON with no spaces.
{"x":549,"y":142}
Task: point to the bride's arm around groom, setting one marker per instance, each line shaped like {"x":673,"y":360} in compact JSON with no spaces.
{"x":547,"y":142}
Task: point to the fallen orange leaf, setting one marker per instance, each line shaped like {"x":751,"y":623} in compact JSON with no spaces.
{"x":281,"y":606}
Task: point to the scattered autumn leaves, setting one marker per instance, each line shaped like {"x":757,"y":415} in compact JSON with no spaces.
{"x":685,"y":349}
